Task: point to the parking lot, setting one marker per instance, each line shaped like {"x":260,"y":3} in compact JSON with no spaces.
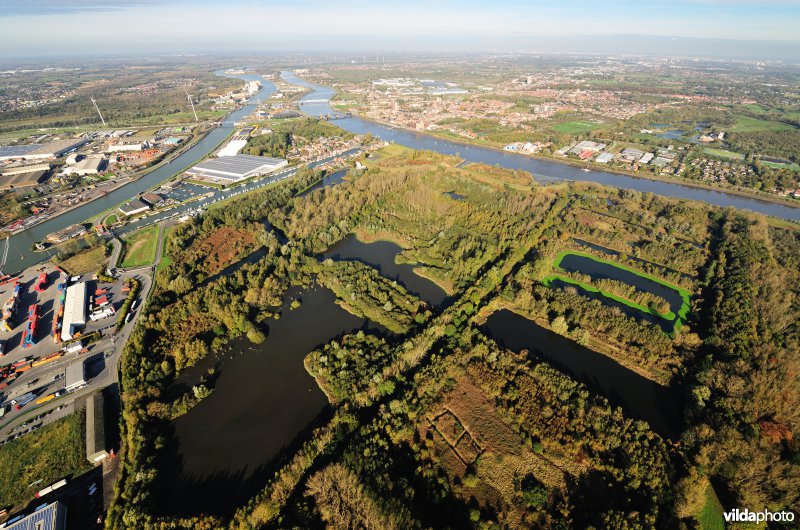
{"x":48,"y":378}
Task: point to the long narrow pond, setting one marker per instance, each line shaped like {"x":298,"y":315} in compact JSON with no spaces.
{"x":639,"y":397}
{"x":316,"y":103}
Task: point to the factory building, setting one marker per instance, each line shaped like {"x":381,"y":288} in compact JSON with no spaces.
{"x":47,"y":517}
{"x":75,"y":377}
{"x":125,"y":146}
{"x":74,"y":310}
{"x":133,"y":207}
{"x":87,"y":166}
{"x":232,"y":148}
{"x":95,"y":428}
{"x":40,"y":151}
{"x":235,"y":168}
{"x":66,"y":233}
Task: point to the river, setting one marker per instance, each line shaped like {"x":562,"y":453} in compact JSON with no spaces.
{"x":316,"y":103}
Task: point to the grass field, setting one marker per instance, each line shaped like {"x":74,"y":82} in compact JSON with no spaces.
{"x":722,"y":153}
{"x":42,"y":457}
{"x":746,"y":124}
{"x":793,"y":166}
{"x":140,"y":248}
{"x":88,"y":260}
{"x":575,"y":127}
{"x":710,"y":517}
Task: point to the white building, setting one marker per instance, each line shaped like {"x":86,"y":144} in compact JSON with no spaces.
{"x":235,"y":168}
{"x":74,"y":310}
{"x":232,"y":148}
{"x":87,"y":166}
{"x":123,"y":147}
{"x":75,"y":377}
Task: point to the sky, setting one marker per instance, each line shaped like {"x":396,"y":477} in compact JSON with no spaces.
{"x":761,"y":29}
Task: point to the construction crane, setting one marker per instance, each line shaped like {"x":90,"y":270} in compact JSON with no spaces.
{"x":191,"y":103}
{"x":98,"y":111}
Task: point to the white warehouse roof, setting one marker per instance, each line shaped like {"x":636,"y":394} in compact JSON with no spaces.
{"x":74,"y":310}
{"x":236,"y":167}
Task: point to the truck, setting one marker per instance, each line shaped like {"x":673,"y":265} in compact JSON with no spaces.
{"x":45,"y":399}
{"x":23,"y":400}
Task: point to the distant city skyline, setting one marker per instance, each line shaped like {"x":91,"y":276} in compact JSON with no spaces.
{"x":734,"y":28}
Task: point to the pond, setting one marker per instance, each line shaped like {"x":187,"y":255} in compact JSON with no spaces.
{"x":599,"y":270}
{"x":381,"y":255}
{"x":222,"y":451}
{"x":639,"y":397}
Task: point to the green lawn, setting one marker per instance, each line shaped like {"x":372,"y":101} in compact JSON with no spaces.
{"x":111,"y":219}
{"x":140,"y":248}
{"x":722,"y":153}
{"x":710,"y":517}
{"x":746,"y":124}
{"x":42,"y":457}
{"x":575,"y":127}
{"x":793,"y":166}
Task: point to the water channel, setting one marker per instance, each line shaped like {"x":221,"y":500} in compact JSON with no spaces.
{"x":316,"y":103}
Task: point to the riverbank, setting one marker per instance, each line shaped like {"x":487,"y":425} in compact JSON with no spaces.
{"x":750,"y":194}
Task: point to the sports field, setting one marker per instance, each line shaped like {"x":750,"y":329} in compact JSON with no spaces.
{"x":722,"y":153}
{"x":575,"y":127}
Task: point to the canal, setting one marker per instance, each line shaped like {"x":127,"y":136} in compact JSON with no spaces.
{"x":20,"y":255}
{"x":543,"y":170}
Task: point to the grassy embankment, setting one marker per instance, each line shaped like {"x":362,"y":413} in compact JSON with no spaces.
{"x":85,"y":261}
{"x":40,"y":458}
{"x":140,"y":248}
{"x":685,"y":305}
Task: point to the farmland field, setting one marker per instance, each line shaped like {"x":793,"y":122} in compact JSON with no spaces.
{"x":746,"y":123}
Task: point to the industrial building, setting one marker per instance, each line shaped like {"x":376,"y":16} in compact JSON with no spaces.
{"x":40,"y":151}
{"x":125,"y":146}
{"x":74,"y":310}
{"x":22,"y":180}
{"x":51,"y":516}
{"x":604,"y":158}
{"x":235,"y":168}
{"x":66,"y":233}
{"x":87,"y":166}
{"x":95,"y":428}
{"x":133,"y":207}
{"x":75,"y":377}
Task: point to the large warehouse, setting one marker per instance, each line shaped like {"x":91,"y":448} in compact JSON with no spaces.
{"x":39,"y":151}
{"x":235,"y":168}
{"x":74,"y":310}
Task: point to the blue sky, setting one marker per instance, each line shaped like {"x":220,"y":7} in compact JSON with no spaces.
{"x":44,"y":27}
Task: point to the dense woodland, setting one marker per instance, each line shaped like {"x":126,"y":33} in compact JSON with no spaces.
{"x":433,"y":424}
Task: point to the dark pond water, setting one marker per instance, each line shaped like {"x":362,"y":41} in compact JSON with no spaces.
{"x":221,"y":451}
{"x":455,"y":196}
{"x":639,"y":397}
{"x":597,"y":270}
{"x":381,"y":255}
